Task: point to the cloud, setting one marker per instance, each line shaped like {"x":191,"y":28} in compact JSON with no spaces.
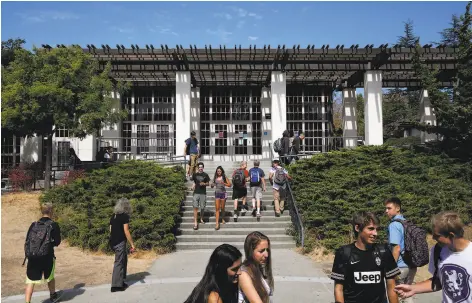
{"x":254,"y":15}
{"x":220,"y":33}
{"x":252,"y":38}
{"x":224,"y":15}
{"x":44,"y":16}
{"x":122,"y":30}
{"x":167,"y":31}
{"x":240,"y":24}
{"x":242,"y":13}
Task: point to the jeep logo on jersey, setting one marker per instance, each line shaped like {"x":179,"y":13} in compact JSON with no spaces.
{"x":367,"y":277}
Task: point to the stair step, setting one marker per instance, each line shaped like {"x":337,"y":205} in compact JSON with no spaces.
{"x":242,"y":225}
{"x":210,"y":230}
{"x":229,"y":238}
{"x":239,"y":245}
{"x":211,"y":213}
{"x":270,"y":218}
{"x":188,"y":206}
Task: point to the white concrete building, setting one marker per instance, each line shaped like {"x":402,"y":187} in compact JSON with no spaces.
{"x":239,"y":101}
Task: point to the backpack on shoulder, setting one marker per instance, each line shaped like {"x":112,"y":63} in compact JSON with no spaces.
{"x":255,"y":177}
{"x":38,"y":240}
{"x":278,"y":145}
{"x":238,"y":178}
{"x":416,"y":248}
{"x":280,"y":178}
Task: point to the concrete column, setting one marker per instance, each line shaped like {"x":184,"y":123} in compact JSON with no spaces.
{"x":427,"y":116}
{"x":266,"y":123}
{"x":373,"y":108}
{"x":182,"y":110}
{"x":278,"y":90}
{"x":195,"y":111}
{"x":349,"y":117}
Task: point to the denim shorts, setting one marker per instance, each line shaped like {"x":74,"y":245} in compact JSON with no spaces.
{"x":220,"y":195}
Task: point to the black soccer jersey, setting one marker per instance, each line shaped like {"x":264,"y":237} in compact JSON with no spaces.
{"x":364,"y":273}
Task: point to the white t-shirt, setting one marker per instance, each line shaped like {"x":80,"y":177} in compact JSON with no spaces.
{"x":455,"y":274}
{"x":272,"y":171}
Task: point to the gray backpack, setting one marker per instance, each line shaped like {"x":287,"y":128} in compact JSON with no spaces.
{"x":280,"y":177}
{"x":38,"y":240}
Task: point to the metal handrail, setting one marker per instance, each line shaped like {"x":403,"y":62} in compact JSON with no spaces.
{"x":295,"y":214}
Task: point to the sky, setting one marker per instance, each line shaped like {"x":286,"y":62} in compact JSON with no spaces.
{"x":225,"y":23}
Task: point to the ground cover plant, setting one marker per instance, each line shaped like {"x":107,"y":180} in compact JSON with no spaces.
{"x":330,"y":187}
{"x":84,"y":207}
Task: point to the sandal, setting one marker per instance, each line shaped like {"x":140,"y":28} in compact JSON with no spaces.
{"x":223,"y":221}
{"x":217,"y":227}
{"x":201,"y":221}
{"x":195,"y":227}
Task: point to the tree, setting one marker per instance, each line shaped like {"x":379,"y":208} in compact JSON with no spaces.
{"x":8,"y":49}
{"x":360,"y":115}
{"x":408,"y":39}
{"x":46,"y":88}
{"x":454,"y":116}
{"x":450,"y":36}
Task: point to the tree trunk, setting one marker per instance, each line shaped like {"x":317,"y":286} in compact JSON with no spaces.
{"x":47,"y":170}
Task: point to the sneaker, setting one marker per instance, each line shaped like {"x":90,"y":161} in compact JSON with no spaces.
{"x":235,"y":216}
{"x":243,"y":210}
{"x":56,"y":296}
{"x":115,"y":289}
{"x":258,"y":214}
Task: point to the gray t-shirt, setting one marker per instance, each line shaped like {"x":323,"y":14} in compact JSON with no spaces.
{"x":220,"y":185}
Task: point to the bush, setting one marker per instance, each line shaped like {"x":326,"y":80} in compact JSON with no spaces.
{"x":330,"y":187}
{"x":71,"y":176}
{"x":405,"y":141}
{"x":84,"y":207}
{"x":23,"y":176}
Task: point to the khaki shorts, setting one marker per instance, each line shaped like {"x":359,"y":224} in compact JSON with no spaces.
{"x":199,"y":201}
{"x":256,"y":192}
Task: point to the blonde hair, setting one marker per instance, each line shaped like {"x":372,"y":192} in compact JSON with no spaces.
{"x":448,"y":222}
{"x":46,"y":208}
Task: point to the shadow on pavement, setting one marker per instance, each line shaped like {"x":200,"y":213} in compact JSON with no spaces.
{"x":70,"y":294}
{"x":137,"y":277}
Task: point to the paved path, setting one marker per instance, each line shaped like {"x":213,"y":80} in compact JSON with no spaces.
{"x":172,"y":277}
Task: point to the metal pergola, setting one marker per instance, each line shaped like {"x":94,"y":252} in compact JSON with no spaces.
{"x":334,"y":67}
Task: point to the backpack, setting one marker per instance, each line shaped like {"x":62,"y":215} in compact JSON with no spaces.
{"x":278,"y":145}
{"x":280,"y":177}
{"x":38,"y":240}
{"x":435,"y":282}
{"x":238,"y":178}
{"x":379,"y":251}
{"x":416,"y":248}
{"x":255,"y":176}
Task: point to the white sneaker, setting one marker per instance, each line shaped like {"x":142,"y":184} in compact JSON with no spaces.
{"x":258,"y":214}
{"x":243,"y":210}
{"x":235,"y":216}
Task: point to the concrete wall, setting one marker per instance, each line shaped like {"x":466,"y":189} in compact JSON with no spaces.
{"x":279,"y":104}
{"x":30,"y":149}
{"x":266,"y":108}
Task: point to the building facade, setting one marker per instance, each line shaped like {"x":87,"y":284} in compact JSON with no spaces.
{"x":239,"y":101}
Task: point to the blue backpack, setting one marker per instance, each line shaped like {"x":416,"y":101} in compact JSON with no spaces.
{"x":255,"y":177}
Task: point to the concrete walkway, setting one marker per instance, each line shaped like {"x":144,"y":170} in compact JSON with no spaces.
{"x":172,"y":278}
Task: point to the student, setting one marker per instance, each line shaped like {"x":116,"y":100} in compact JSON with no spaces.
{"x":220,"y":281}
{"x":119,"y":233}
{"x":220,"y":182}
{"x":201,"y":181}
{"x":240,"y":177}
{"x":43,"y":266}
{"x":192,"y":148}
{"x":362,"y":269}
{"x":278,"y":177}
{"x":256,"y":283}
{"x":396,"y":239}
{"x":450,"y":262}
{"x":257,"y":186}
{"x":295,"y":150}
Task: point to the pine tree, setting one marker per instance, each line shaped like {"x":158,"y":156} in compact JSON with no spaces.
{"x":409,"y":39}
{"x":450,"y":36}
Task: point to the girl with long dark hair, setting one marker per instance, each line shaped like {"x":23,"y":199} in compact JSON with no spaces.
{"x":256,"y":283}
{"x":220,"y":281}
{"x":220,"y":182}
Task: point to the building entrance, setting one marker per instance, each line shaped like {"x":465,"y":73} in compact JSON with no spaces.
{"x":231,"y":124}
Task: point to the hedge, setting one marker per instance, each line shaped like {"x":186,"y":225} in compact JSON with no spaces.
{"x":84,"y":207}
{"x":330,"y":187}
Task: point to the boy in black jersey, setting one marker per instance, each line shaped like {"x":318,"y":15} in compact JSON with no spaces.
{"x":361,"y":268}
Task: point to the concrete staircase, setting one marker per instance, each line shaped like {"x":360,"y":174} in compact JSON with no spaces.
{"x":233,"y":232}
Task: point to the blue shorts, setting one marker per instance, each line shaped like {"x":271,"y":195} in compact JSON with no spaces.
{"x":220,"y":195}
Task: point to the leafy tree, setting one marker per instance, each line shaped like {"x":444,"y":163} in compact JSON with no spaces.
{"x":45,"y":88}
{"x":408,"y":39}
{"x":8,"y":49}
{"x":450,"y":36}
{"x":454,"y":116}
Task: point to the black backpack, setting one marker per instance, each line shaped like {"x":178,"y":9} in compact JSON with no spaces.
{"x":238,"y":178}
{"x":38,"y":242}
{"x":435,"y":282}
{"x":278,"y":145}
{"x":280,"y":178}
{"x":416,"y":248}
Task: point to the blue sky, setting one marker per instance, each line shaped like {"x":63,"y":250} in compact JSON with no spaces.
{"x":226,"y":23}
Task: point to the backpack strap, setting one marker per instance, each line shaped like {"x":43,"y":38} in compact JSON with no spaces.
{"x":435,"y":282}
{"x":347,"y":249}
{"x":27,"y":235}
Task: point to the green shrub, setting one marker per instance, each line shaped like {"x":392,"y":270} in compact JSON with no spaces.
{"x":330,"y":187}
{"x":85,"y":206}
{"x":405,"y":141}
